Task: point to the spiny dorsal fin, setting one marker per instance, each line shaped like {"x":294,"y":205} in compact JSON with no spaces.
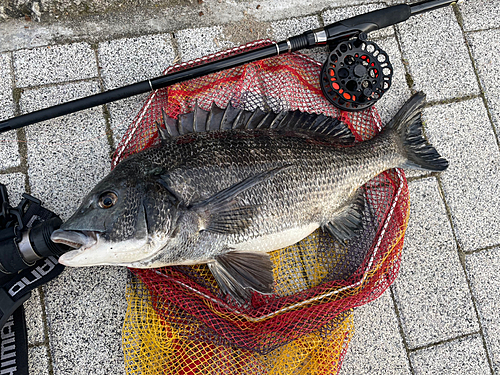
{"x":256,"y":118}
{"x":214,"y":118}
{"x":169,"y":128}
{"x":236,"y":118}
{"x":185,"y":123}
{"x":200,"y":119}
{"x":230,"y":115}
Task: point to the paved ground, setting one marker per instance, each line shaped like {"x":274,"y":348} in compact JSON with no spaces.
{"x":440,"y":316}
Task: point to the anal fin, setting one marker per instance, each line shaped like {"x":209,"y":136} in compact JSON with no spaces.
{"x":348,"y":221}
{"x":238,"y":273}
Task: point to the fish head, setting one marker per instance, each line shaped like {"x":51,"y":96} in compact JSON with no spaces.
{"x":117,"y":223}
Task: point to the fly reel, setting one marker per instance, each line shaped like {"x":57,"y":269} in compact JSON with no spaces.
{"x":356,"y":74}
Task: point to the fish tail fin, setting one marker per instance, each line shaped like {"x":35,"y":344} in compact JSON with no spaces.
{"x":408,"y":127}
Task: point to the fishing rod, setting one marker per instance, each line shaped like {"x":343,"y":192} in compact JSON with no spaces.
{"x":353,"y":77}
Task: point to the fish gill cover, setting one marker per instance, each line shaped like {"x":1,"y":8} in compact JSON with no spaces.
{"x":179,"y":322}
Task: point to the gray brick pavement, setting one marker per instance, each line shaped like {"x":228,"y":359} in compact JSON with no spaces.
{"x":38,"y":360}
{"x":9,"y":154}
{"x":68,"y":154}
{"x":431,"y":289}
{"x":377,"y":346}
{"x":442,"y":319}
{"x":15,"y":186}
{"x":482,"y":268}
{"x":53,"y":64}
{"x":461,"y":356}
{"x":33,"y":308}
{"x":128,"y":60}
{"x":463,"y":133}
{"x":437,"y":56}
{"x":480,"y":15}
{"x":196,"y":43}
{"x":485,"y":56}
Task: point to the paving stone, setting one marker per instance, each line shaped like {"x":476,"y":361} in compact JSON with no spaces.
{"x":34,"y":318}
{"x":339,"y":14}
{"x":130,"y":60}
{"x":462,"y":356}
{"x":482,"y":268}
{"x":399,"y":92}
{"x":9,"y":151}
{"x":480,"y":14}
{"x":145,"y":20}
{"x":293,"y":26}
{"x":377,"y":346}
{"x":67,"y":155}
{"x":485,"y":46}
{"x":463,"y":134}
{"x":15,"y":186}
{"x":54,"y":64}
{"x":85,"y":313}
{"x":438,"y":60}
{"x":38,"y":360}
{"x":196,"y":43}
{"x":431,"y":290}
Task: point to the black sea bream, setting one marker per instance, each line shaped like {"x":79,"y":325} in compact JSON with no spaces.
{"x":226,"y":187}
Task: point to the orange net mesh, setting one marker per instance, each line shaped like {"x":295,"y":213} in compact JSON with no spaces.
{"x":179,"y":322}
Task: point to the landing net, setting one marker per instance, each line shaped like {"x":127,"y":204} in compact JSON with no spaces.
{"x":179,"y":322}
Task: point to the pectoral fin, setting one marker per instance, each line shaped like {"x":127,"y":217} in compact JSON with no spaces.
{"x":348,"y":221}
{"x":238,"y":273}
{"x":222,"y":213}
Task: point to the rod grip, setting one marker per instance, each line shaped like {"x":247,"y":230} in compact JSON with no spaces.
{"x":380,"y":18}
{"x":368,"y":22}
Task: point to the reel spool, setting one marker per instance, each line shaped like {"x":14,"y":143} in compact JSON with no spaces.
{"x":356,"y":74}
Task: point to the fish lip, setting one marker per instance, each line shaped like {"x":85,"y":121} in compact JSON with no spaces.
{"x":75,"y":238}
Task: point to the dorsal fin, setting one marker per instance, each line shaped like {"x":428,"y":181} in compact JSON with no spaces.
{"x":214,"y":118}
{"x":230,"y":115}
{"x":236,"y":118}
{"x":200,"y":119}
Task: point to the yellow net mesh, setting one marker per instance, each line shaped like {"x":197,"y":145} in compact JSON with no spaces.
{"x":154,"y":346}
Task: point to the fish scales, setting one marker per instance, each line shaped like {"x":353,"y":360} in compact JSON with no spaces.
{"x":321,"y":178}
{"x":227,"y":197}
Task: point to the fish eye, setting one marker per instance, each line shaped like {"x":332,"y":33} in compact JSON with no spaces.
{"x":107,"y":199}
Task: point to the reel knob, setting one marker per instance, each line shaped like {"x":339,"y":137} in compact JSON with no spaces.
{"x":356,"y":74}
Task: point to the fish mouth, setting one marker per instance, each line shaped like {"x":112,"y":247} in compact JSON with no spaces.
{"x":92,"y":249}
{"x":75,"y":239}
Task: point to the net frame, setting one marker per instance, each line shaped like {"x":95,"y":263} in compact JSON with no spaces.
{"x":219,"y":322}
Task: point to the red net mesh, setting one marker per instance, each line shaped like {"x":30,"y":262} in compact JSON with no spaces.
{"x":318,"y":281}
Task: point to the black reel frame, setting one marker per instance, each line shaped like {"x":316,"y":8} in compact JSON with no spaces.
{"x":356,"y":74}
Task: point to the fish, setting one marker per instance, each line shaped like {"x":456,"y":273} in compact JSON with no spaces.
{"x":227,"y":186}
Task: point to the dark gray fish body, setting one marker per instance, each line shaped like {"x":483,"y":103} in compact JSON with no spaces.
{"x":227,"y":197}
